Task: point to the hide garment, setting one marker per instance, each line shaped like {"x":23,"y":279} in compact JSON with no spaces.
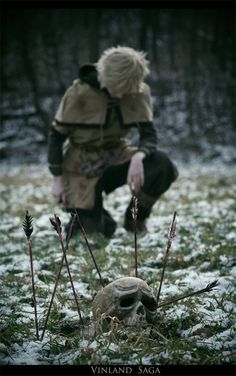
{"x":88,"y":135}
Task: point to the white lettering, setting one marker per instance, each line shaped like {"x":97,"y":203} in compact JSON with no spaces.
{"x":104,"y":370}
{"x":111,"y":370}
{"x":152,"y":370}
{"x":94,"y":369}
{"x":128,"y":370}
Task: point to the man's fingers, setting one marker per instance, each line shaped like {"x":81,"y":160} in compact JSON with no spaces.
{"x":135,"y":177}
{"x":141,"y":179}
{"x":57,"y":197}
{"x":135,"y":184}
{"x":132,"y":186}
{"x":63,"y":199}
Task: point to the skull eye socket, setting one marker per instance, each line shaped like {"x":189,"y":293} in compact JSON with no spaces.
{"x":149,"y":303}
{"x":127,"y":301}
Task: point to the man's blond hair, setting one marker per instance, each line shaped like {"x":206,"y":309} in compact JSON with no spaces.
{"x":123,"y":69}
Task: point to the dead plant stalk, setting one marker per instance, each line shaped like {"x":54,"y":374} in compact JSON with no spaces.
{"x":57,"y":226}
{"x":90,"y":250}
{"x":28,"y":229}
{"x":171,"y":235}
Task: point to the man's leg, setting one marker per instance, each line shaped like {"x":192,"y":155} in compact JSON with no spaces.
{"x":160,"y":173}
{"x":113,"y":177}
{"x":79,"y":195}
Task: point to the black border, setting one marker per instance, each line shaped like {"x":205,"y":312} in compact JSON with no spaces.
{"x":165,"y":370}
{"x":162,"y":370}
{"x":162,"y":4}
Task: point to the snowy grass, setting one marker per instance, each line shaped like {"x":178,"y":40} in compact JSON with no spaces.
{"x":198,"y":330}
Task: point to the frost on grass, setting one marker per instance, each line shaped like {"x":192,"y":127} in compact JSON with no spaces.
{"x":194,"y":331}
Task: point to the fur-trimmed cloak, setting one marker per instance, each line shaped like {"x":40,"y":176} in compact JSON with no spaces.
{"x":95,"y":126}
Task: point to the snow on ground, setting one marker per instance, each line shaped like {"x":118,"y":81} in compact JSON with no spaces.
{"x":204,"y":198}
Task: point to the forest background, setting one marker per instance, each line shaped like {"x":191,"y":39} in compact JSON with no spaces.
{"x":192,"y":55}
{"x":192,"y":60}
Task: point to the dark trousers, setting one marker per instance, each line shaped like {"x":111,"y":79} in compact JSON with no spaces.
{"x":159,"y":173}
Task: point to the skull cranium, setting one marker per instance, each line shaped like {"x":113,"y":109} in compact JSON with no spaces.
{"x":129,"y":299}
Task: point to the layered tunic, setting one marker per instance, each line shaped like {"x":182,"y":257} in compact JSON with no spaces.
{"x":89,"y":133}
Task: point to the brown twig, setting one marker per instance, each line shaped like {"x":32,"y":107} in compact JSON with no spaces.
{"x":69,"y":230}
{"x":208,"y":288}
{"x":28,"y":229}
{"x":89,"y":248}
{"x":57,"y":226}
{"x":171,"y":235}
{"x":134,"y":211}
{"x":59,"y":232}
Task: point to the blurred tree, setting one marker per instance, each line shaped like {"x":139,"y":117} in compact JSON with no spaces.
{"x":30,"y":59}
{"x":144,"y":27}
{"x":94,"y":33}
{"x":192,"y":52}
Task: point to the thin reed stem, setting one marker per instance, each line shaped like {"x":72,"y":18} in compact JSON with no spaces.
{"x":28,"y":229}
{"x":33,"y":288}
{"x":55,"y":225}
{"x":89,"y":248}
{"x":208,"y":288}
{"x":134,"y":212}
{"x":171,"y":235}
{"x":64,"y":249}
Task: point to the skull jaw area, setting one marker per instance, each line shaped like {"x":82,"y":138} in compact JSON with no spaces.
{"x":137,"y":316}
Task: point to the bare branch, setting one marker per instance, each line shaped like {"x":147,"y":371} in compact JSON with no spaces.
{"x":89,"y":248}
{"x":208,"y":288}
{"x":171,"y":236}
{"x":134,"y":212}
{"x":28,"y":229}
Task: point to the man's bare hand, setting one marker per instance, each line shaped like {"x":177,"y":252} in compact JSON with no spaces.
{"x":135,"y":177}
{"x":57,"y":188}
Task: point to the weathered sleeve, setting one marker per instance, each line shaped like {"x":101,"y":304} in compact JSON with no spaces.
{"x":147,"y":132}
{"x":147,"y":137}
{"x":55,"y":151}
{"x":57,"y":135}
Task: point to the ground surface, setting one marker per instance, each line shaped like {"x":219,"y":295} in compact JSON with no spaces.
{"x":198,"y":330}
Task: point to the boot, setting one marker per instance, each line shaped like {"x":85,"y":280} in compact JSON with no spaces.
{"x":92,"y":224}
{"x":109,"y":224}
{"x":140,"y":226}
{"x":89,"y":225}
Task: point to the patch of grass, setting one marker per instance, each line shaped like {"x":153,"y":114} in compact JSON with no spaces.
{"x":13,"y":330}
{"x":183,"y":333}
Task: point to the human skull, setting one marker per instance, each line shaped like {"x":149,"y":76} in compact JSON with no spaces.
{"x":129,"y":299}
